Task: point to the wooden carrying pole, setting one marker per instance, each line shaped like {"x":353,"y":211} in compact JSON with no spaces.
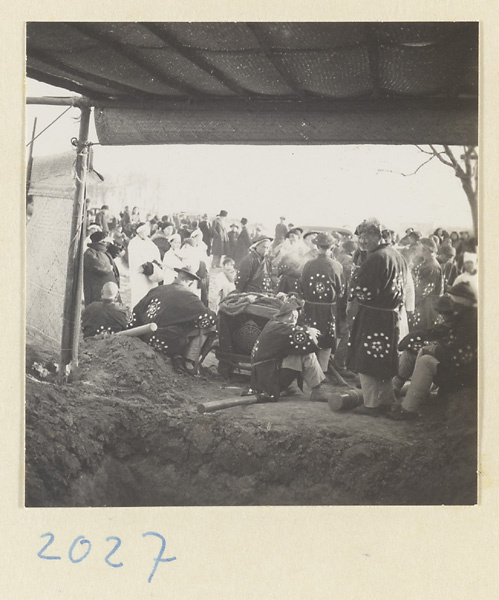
{"x":74,"y":271}
{"x":211,"y":406}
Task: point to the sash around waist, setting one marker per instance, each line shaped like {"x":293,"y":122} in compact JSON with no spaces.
{"x":394,"y":310}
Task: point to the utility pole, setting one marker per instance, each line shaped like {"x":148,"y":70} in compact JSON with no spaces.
{"x":74,"y":273}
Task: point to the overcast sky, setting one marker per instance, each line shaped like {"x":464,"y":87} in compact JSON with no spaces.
{"x":321,"y":185}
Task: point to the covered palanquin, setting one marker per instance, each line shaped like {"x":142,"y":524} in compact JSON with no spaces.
{"x":241,"y":318}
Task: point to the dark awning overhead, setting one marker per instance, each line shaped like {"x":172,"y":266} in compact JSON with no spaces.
{"x":197,"y":72}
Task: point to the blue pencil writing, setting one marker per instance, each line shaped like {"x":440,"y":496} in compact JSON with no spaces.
{"x":116,"y":546}
{"x":159,"y":558}
{"x":82,"y":540}
{"x":41,"y":555}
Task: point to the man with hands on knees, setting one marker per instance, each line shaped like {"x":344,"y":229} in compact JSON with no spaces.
{"x":285,"y":352}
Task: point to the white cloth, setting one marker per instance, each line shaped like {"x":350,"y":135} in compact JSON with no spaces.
{"x":190,"y":257}
{"x":139,"y":252}
{"x":222,"y":288}
{"x":171,"y":260}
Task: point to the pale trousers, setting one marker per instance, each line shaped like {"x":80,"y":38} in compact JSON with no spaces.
{"x":197,"y":338}
{"x":422,"y":378}
{"x":376,"y":392}
{"x":308,"y":365}
{"x":323,"y":358}
{"x":407,"y":360}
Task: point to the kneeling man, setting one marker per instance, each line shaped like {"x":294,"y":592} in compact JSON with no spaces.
{"x":186,"y":327}
{"x":283,"y":352}
{"x":108,"y":315}
{"x":451,"y":362}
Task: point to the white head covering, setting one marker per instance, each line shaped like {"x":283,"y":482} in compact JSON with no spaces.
{"x":470,"y":257}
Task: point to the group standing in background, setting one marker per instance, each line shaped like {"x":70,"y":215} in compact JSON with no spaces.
{"x":362,"y":300}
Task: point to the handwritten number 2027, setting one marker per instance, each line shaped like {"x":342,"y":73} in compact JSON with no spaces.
{"x":75,"y":556}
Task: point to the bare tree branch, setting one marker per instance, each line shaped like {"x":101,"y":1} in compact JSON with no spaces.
{"x":423,"y":150}
{"x":408,"y":174}
{"x":440,"y":158}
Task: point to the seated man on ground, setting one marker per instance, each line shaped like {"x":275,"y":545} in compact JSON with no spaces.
{"x":413,"y":342}
{"x":185,"y":326}
{"x":450,"y":363}
{"x":106,"y":315}
{"x":283,"y":352}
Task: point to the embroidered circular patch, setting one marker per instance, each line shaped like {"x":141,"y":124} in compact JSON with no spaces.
{"x":153,"y":308}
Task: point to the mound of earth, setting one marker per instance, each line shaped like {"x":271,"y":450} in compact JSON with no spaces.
{"x":125,"y":431}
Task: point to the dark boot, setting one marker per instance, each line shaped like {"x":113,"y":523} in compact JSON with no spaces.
{"x":178,"y":364}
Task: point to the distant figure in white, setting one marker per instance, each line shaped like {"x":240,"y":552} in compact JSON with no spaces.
{"x":144,"y":260}
{"x":172,"y":259}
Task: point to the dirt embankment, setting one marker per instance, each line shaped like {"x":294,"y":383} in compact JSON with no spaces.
{"x":125,"y":432}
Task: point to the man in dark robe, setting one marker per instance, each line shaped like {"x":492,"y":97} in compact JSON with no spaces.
{"x":125,"y":218}
{"x":283,"y":352}
{"x":428,"y":286}
{"x":446,"y":257}
{"x":205,"y":227}
{"x":280,"y":232}
{"x":253,"y":274}
{"x":451,"y":362}
{"x":102,"y":218}
{"x":379,"y":288}
{"x":219,"y":238}
{"x":232,"y":241}
{"x":185,"y":325}
{"x":322,"y":284}
{"x":106,"y":315}
{"x":243,"y":242}
{"x":344,"y":322}
{"x":98,"y":268}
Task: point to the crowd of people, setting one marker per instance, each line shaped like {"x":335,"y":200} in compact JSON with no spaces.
{"x":370,"y":305}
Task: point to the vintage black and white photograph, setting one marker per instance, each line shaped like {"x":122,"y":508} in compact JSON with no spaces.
{"x":251,"y":263}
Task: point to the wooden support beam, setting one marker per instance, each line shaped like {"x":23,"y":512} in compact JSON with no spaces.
{"x":77,"y":101}
{"x":74,"y":271}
